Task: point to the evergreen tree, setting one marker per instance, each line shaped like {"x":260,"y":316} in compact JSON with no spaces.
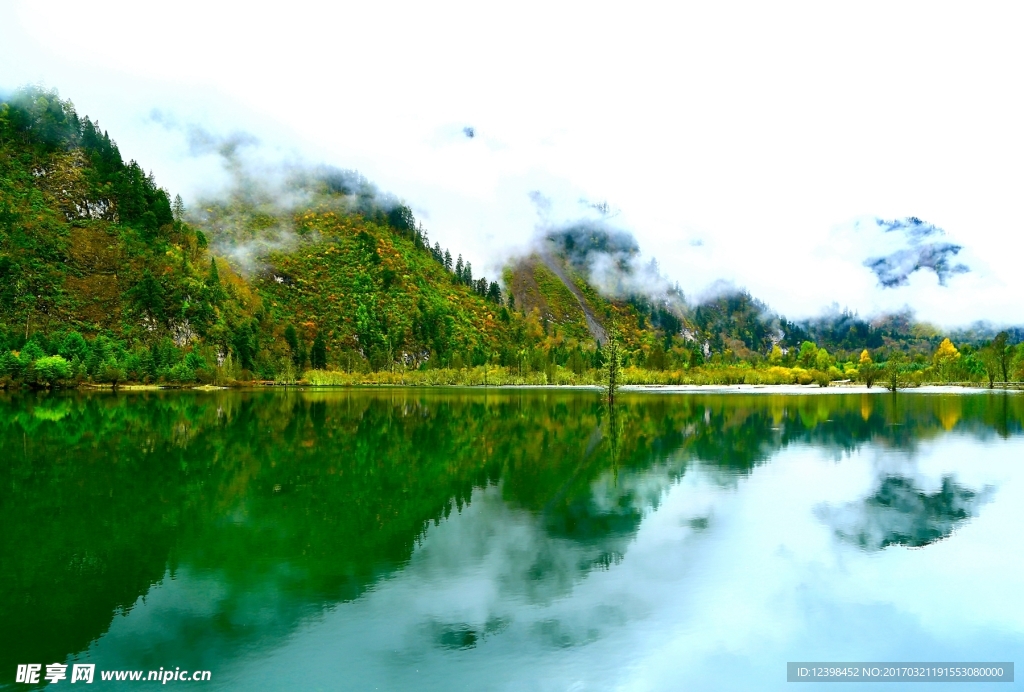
{"x":401,"y":219}
{"x":494,"y":293}
{"x":318,"y":354}
{"x":213,"y":276}
{"x":245,"y":345}
{"x":148,"y":296}
{"x":73,"y":346}
{"x":291,"y":337}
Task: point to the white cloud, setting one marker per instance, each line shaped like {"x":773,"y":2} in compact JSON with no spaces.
{"x":758,"y":129}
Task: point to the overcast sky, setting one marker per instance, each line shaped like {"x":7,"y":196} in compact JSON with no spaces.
{"x":751,"y":143}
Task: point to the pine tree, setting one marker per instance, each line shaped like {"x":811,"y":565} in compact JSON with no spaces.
{"x":494,"y":293}
{"x":318,"y":354}
{"x":149,"y":295}
{"x":216,"y":292}
{"x":291,"y":337}
{"x":213,"y":277}
{"x":178,"y":209}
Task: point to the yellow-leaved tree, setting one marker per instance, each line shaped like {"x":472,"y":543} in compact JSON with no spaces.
{"x":866,"y":369}
{"x":946,"y":359}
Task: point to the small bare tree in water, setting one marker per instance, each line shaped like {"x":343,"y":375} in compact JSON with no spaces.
{"x":614,"y":364}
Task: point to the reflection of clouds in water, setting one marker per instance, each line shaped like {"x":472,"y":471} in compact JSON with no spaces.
{"x":900,"y":513}
{"x":491,"y":598}
{"x":638,"y":492}
{"x":483,"y":566}
{"x":512,"y":558}
{"x":492,"y":569}
{"x":172,"y":622}
{"x":769,"y":582}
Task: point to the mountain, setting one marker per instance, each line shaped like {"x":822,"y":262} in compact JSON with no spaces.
{"x":105,"y":278}
{"x":91,"y":246}
{"x":101,"y":268}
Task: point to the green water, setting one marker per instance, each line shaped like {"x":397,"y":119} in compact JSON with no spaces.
{"x":507,"y":540}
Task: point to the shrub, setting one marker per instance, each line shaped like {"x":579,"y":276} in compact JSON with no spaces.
{"x":51,"y":370}
{"x":10,"y":366}
{"x":109,"y":372}
{"x":182,"y":373}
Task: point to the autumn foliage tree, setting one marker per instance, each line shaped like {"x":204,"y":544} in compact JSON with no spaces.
{"x":946,"y":360}
{"x":866,"y":369}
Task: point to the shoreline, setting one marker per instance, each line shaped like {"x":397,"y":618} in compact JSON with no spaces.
{"x":789,"y":389}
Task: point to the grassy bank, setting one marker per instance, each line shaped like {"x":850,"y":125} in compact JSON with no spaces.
{"x":560,"y":376}
{"x":496,"y":375}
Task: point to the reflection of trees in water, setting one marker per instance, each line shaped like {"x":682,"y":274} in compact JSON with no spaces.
{"x":304,"y":499}
{"x":311,"y":497}
{"x":737,"y":432}
{"x":900,"y":513}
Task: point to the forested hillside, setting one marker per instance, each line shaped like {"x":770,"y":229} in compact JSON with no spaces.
{"x":97,"y":271}
{"x":106,"y":278}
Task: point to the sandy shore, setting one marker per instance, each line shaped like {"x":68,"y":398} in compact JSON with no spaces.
{"x":798,"y":389}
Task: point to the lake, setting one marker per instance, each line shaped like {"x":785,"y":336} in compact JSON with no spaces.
{"x":411,"y":539}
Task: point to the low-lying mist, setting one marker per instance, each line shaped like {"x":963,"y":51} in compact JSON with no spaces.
{"x":725,"y":315}
{"x":254,"y":213}
{"x":609,"y":258}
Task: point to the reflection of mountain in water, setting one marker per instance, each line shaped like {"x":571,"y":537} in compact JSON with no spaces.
{"x":899,"y":513}
{"x":295,"y":501}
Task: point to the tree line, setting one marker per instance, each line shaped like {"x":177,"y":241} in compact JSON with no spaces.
{"x":102,"y":280}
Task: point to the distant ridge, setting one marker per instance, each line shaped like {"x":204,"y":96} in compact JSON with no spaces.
{"x":108,"y":277}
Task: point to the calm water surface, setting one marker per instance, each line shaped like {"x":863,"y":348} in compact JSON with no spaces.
{"x":508,"y":540}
